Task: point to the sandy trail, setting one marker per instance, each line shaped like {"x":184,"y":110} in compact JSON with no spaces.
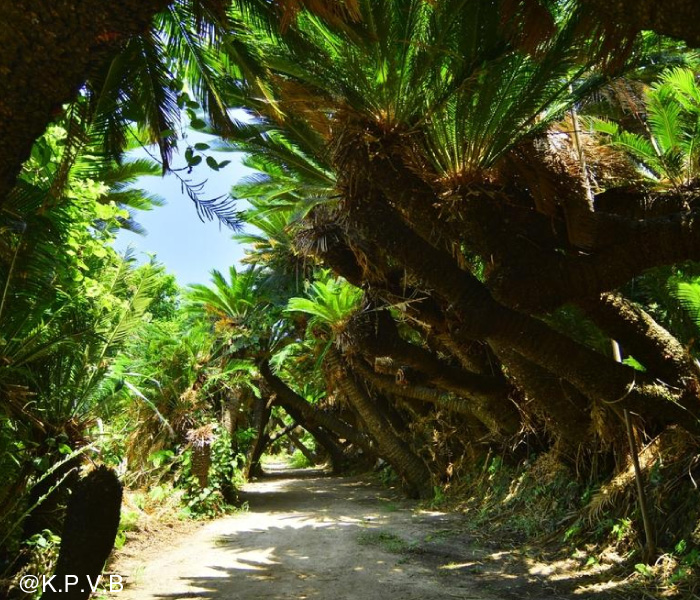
{"x":325,"y":538}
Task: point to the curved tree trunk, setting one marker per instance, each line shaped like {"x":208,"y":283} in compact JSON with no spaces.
{"x":396,"y":452}
{"x":289,"y":399}
{"x":325,"y":427}
{"x":675,"y":18}
{"x":378,"y":335}
{"x":89,"y":531}
{"x":49,"y":50}
{"x":643,"y":338}
{"x":299,"y":445}
{"x":435,"y":397}
{"x":261,"y":417}
{"x":474,"y":312}
{"x":564,"y":411}
{"x":293,"y":438}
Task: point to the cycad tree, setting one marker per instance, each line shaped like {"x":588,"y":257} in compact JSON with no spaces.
{"x":433,"y":118}
{"x":668,"y":153}
{"x":331,"y":302}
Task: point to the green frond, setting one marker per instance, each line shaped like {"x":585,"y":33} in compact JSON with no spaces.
{"x":233,"y":299}
{"x":330,"y":301}
{"x":668,"y":153}
{"x":688,"y":294}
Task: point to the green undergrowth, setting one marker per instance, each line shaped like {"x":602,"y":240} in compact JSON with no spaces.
{"x":541,"y":507}
{"x":298,"y":461}
{"x":531,"y":500}
{"x":387,"y":541}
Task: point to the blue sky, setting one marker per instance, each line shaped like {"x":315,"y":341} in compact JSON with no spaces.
{"x":187,"y":247}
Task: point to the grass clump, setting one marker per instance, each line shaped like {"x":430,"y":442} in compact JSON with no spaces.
{"x":386,"y":540}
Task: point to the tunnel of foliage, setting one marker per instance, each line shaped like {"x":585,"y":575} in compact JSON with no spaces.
{"x":471,"y":232}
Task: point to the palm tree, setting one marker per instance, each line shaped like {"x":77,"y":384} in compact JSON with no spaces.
{"x":431,"y":125}
{"x":242,"y":316}
{"x":667,"y":153}
{"x":228,"y":303}
{"x":64,"y":315}
{"x":331,"y":302}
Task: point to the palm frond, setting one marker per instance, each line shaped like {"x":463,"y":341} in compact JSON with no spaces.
{"x":688,"y":294}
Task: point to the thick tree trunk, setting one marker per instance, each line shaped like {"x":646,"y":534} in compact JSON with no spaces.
{"x":539,"y":281}
{"x":325,"y":427}
{"x":48,"y":51}
{"x":674,"y":18}
{"x":299,"y":445}
{"x":261,"y":417}
{"x":376,"y":333}
{"x":473,"y":355}
{"x":89,"y":531}
{"x":395,"y":451}
{"x":642,"y":337}
{"x":596,"y":376}
{"x":339,"y":457}
{"x":232,"y":408}
{"x":306,"y":414}
{"x":533,"y":270}
{"x":294,"y":439}
{"x":432,"y":396}
{"x":562,"y":407}
{"x":475,"y":314}
{"x":386,"y":407}
{"x":283,"y":432}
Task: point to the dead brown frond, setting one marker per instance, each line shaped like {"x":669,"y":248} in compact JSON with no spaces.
{"x":605,"y":424}
{"x":182,"y":415}
{"x":201,"y":440}
{"x":306,"y":103}
{"x":202,"y":436}
{"x":536,"y":166}
{"x":577,"y":148}
{"x":670,"y":447}
{"x":612,"y":39}
{"x":528,"y":23}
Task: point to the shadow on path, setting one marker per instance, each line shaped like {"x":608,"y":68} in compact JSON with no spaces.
{"x":331,"y":538}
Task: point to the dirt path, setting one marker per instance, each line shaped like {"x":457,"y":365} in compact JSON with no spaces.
{"x":329,"y":538}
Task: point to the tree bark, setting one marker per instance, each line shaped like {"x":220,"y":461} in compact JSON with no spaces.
{"x":674,"y":18}
{"x":89,"y":531}
{"x":428,"y":395}
{"x":420,"y":307}
{"x":475,"y":314}
{"x":294,"y":439}
{"x":539,"y":282}
{"x":562,"y":407}
{"x":377,"y":334}
{"x":533,"y":269}
{"x":642,"y":337}
{"x":48,"y":51}
{"x":308,"y":415}
{"x":322,"y":425}
{"x":298,"y":444}
{"x":394,"y":450}
{"x":261,"y":418}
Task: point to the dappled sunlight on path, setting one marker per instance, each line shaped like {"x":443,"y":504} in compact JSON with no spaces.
{"x":331,"y":538}
{"x":301,"y":538}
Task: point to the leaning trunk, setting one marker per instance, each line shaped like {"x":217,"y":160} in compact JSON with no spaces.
{"x":89,"y":531}
{"x":49,"y":51}
{"x":261,"y":417}
{"x":407,"y":464}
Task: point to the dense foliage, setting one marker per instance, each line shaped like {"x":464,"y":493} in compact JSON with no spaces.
{"x":472,"y":232}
